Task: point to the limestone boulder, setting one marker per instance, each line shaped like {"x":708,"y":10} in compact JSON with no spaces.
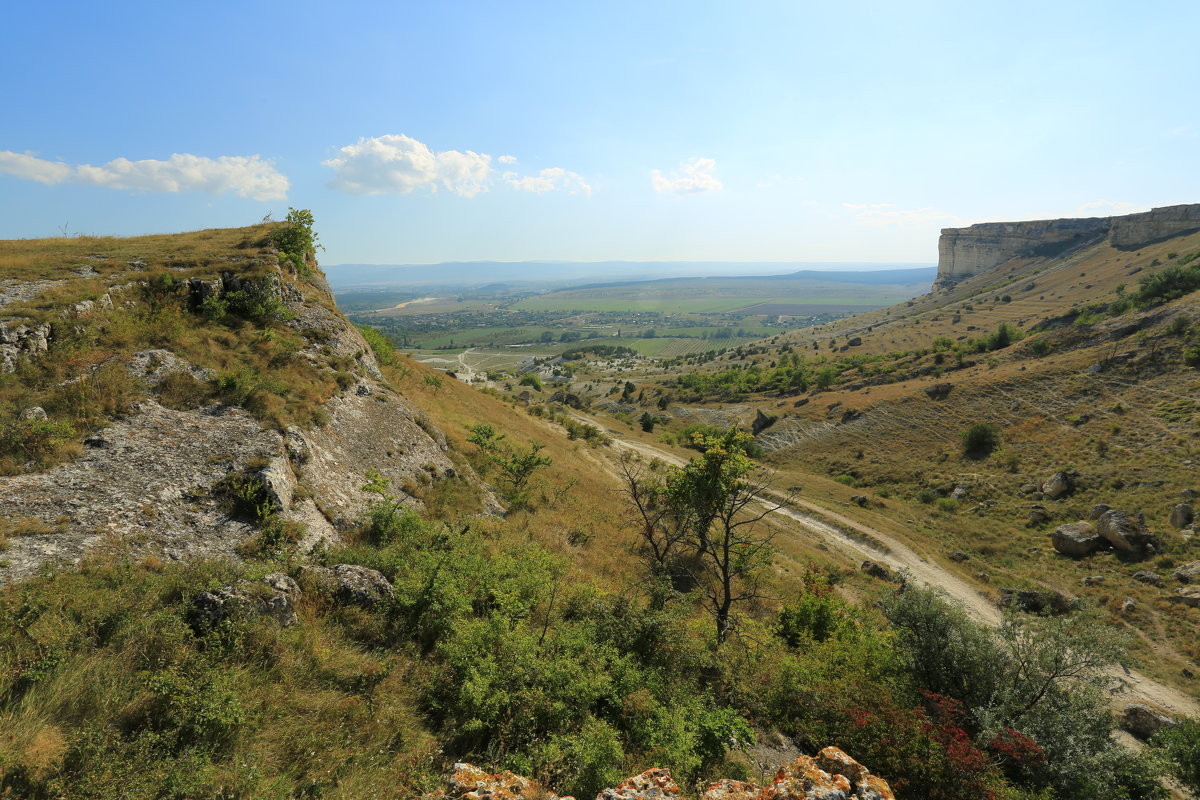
{"x":1188,"y":573}
{"x":1060,"y":484}
{"x":1188,"y":596}
{"x":1075,"y":539}
{"x":1126,"y":532}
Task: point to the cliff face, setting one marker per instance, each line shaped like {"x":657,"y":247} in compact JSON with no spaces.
{"x":963,"y":252}
{"x":154,"y":474}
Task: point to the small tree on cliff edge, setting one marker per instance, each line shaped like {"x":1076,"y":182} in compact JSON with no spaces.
{"x":710,"y":508}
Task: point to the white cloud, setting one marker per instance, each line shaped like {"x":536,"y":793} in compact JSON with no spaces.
{"x":548,"y":180}
{"x":399,"y":164}
{"x":32,"y":168}
{"x":692,"y":177}
{"x":879,"y":214}
{"x":246,"y":176}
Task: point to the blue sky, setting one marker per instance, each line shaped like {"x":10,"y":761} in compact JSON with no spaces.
{"x":442,"y":131}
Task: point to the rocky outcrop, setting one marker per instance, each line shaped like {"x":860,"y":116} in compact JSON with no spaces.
{"x":831,"y":775}
{"x":963,"y":252}
{"x":151,"y":481}
{"x":21,"y":341}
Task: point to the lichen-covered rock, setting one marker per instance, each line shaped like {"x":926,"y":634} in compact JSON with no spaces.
{"x":469,"y":782}
{"x":352,"y":584}
{"x":1075,"y":539}
{"x":803,"y":779}
{"x":835,"y":761}
{"x":732,"y":790}
{"x":274,"y":598}
{"x":1182,"y":515}
{"x":653,"y":784}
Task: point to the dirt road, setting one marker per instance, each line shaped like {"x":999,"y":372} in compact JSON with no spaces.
{"x":856,"y":541}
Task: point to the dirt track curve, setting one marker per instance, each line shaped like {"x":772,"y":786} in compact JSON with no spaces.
{"x":833,"y":528}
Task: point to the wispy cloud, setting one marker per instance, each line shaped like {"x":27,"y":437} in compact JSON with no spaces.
{"x":880,"y":214}
{"x":246,"y":176}
{"x":549,"y":180}
{"x":692,"y":177}
{"x":399,"y":164}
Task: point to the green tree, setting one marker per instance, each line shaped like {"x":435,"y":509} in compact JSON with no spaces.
{"x":720,"y":495}
{"x":516,"y":467}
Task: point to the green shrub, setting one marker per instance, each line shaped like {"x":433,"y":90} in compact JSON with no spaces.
{"x":381,"y":345}
{"x":980,"y":439}
{"x":1179,"y":748}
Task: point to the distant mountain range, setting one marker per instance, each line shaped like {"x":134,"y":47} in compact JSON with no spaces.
{"x":572,"y":273}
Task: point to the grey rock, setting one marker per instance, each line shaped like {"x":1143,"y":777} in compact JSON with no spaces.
{"x":1060,"y":484}
{"x":959,"y":556}
{"x":761,"y":422}
{"x":1092,"y":580}
{"x":1037,"y":516}
{"x":1182,"y":515}
{"x":1189,"y":494}
{"x":1098,"y":511}
{"x":352,"y":584}
{"x":36,"y":413}
{"x":1075,"y":539}
{"x":1128,"y":606}
{"x":273,"y":598}
{"x":939,"y":391}
{"x":1146,"y":576}
{"x":1126,"y":532}
{"x":1144,"y":720}
{"x":877,"y":570}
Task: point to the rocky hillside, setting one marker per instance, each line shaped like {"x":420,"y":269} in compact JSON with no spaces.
{"x":1076,"y":367}
{"x":172,"y":393}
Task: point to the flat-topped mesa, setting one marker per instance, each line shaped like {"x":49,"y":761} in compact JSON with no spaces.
{"x":963,"y":252}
